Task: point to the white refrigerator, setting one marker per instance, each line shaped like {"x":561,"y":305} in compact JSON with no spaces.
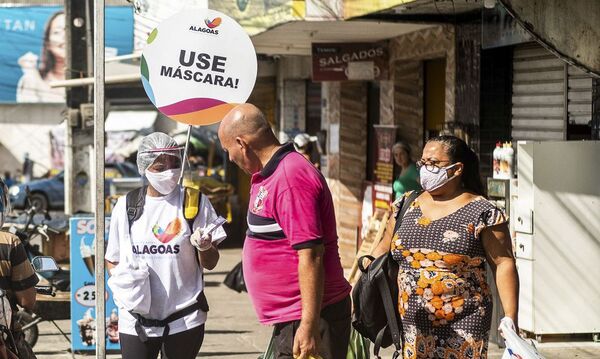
{"x":556,"y":218}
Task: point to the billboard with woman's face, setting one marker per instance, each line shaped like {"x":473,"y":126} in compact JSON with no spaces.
{"x":33,"y":50}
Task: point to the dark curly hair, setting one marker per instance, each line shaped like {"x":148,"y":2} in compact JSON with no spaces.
{"x":48,"y":60}
{"x":459,"y":151}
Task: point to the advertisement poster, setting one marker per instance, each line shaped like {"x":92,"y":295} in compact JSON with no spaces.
{"x":198,"y":65}
{"x":385,"y":137}
{"x":83,"y":293}
{"x":33,"y":49}
{"x":349,"y":61}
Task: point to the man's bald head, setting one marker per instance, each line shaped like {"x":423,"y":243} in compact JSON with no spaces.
{"x":248,"y":122}
{"x":246,"y":135}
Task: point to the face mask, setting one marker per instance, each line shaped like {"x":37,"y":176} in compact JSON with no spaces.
{"x":431,"y":181}
{"x":165,"y":181}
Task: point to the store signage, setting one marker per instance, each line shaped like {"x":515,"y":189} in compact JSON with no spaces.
{"x":197,"y":66}
{"x":83,"y":290}
{"x":350,"y":61}
{"x":499,"y":29}
{"x":383,"y":175}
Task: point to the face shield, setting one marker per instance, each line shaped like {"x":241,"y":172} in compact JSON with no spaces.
{"x":160,"y":146}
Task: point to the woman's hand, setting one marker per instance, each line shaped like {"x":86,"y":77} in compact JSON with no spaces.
{"x":200,"y":241}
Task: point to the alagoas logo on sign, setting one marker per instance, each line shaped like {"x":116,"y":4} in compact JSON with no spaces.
{"x":212,"y":24}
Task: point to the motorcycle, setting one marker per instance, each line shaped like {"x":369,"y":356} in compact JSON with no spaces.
{"x":14,"y":344}
{"x":59,"y":280}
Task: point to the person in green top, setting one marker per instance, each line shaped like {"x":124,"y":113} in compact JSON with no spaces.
{"x":408,"y":180}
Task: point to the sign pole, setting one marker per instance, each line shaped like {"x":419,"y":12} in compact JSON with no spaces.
{"x":185,"y":153}
{"x":99,"y":198}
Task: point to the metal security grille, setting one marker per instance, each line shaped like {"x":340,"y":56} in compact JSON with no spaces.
{"x":538,"y":94}
{"x":543,"y":104}
{"x":580,"y":97}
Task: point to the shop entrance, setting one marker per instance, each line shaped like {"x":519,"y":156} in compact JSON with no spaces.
{"x":419,"y":101}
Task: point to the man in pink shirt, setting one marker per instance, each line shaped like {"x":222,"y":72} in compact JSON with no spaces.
{"x":291,"y":261}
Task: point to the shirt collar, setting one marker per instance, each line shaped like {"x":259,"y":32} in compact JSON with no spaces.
{"x":271,"y":166}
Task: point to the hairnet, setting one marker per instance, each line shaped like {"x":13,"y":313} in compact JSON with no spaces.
{"x":154,"y":145}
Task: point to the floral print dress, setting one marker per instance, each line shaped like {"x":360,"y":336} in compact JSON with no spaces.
{"x":444,"y":299}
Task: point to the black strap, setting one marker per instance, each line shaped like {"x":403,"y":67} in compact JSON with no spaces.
{"x":141,"y":322}
{"x":406,"y":202}
{"x":134,"y":201}
{"x":390,"y":312}
{"x":384,"y":289}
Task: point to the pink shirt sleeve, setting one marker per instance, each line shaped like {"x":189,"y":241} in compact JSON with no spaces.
{"x":299,"y":215}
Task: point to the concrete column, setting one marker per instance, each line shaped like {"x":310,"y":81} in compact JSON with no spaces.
{"x":386,"y":102}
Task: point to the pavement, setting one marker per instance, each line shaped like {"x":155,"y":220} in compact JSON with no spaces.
{"x":232,"y":330}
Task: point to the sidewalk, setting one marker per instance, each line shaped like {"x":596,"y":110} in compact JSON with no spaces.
{"x":232,"y":330}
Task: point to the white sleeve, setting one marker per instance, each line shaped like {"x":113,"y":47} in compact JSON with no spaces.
{"x":117,"y":217}
{"x":207,"y":214}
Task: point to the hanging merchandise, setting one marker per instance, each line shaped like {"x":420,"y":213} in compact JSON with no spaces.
{"x":509,"y":155}
{"x":198,"y":65}
{"x":503,"y":158}
{"x":496,"y":159}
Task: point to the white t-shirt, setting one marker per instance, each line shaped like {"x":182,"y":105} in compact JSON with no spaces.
{"x":160,"y":238}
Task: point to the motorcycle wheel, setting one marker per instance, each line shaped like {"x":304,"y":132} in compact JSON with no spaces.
{"x":31,"y":333}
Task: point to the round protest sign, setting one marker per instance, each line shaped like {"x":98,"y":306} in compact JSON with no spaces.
{"x":198,"y":65}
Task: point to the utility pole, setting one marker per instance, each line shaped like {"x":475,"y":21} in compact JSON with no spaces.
{"x":79,"y":140}
{"x":99,"y":178}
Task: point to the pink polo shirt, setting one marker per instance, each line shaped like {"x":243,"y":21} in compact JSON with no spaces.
{"x":290,"y":209}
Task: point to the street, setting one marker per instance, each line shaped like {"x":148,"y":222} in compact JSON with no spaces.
{"x":232,"y":330}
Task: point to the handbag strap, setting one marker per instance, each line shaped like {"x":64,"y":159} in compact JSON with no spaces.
{"x":384,"y":289}
{"x":406,"y":202}
{"x":390,"y":312}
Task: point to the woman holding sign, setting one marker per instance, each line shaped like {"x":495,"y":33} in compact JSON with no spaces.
{"x":156,"y":255}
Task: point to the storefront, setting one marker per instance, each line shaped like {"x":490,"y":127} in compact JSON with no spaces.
{"x":416,"y":100}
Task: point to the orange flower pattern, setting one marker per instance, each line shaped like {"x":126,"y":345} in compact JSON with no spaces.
{"x":444,"y":298}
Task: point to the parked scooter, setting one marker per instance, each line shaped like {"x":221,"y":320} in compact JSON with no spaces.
{"x":59,"y":279}
{"x":16,"y":347}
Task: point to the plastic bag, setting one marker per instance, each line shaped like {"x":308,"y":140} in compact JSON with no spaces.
{"x":270,"y":352}
{"x":358,"y":347}
{"x":516,"y":347}
{"x":130,"y":285}
{"x":235,"y":279}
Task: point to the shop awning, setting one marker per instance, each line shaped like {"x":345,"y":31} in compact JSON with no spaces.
{"x":569,"y":29}
{"x":130,"y":120}
{"x":295,"y":38}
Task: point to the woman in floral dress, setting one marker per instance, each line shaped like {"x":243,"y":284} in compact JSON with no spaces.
{"x":447,"y":236}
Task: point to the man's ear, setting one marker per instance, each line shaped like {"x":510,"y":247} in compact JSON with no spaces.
{"x":241,"y":143}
